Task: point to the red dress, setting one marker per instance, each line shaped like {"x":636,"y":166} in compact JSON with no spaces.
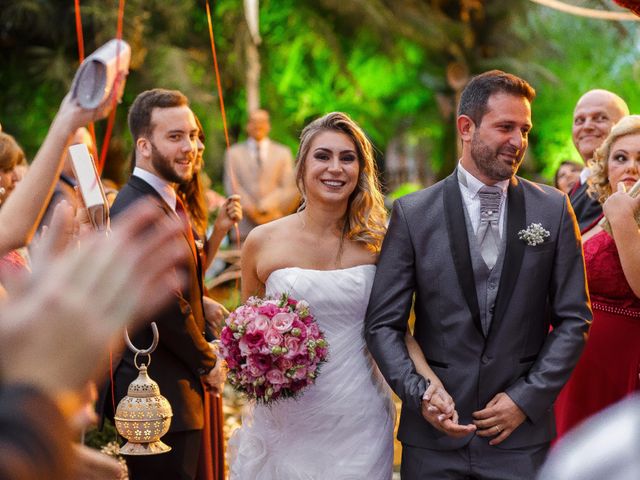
{"x":610,"y":363}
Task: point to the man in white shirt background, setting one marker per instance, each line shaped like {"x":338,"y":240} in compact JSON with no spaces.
{"x":261,"y":172}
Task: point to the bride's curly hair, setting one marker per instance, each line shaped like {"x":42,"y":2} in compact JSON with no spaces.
{"x":366,"y":215}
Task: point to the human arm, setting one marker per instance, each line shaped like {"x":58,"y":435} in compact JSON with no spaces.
{"x":230,"y":213}
{"x":437,"y":406}
{"x":73,"y":331}
{"x":620,"y":209}
{"x":536,"y":389}
{"x":388,"y":312}
{"x":24,"y":208}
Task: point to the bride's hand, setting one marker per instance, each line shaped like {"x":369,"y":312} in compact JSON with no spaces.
{"x":438,"y":409}
{"x":440,"y":402}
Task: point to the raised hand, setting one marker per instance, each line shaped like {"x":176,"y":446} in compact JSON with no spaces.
{"x":57,"y":327}
{"x":498,"y":419}
{"x":620,"y":206}
{"x":230,"y":213}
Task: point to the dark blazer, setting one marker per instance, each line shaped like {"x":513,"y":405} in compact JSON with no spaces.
{"x":183,"y":353}
{"x":587,"y":208}
{"x":426,"y":253}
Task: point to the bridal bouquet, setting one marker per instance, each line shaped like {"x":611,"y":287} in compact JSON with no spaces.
{"x":273,"y":348}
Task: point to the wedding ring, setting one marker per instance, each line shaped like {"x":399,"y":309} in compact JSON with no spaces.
{"x":498,"y":429}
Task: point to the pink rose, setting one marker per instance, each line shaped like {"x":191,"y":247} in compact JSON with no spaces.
{"x":258,"y":364}
{"x":293,"y":345}
{"x":284,"y":364}
{"x":273,"y":337}
{"x":251,"y":341}
{"x":300,"y":373}
{"x":259,"y":324}
{"x":301,"y":327}
{"x":283,"y":321}
{"x":268,"y":309}
{"x":292,"y":302}
{"x":226,"y":336}
{"x":276,"y":377}
{"x":313,"y":330}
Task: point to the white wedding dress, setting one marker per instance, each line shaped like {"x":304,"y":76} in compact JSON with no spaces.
{"x":342,"y":426}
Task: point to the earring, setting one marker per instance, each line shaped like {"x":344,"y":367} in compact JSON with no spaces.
{"x":303,"y":204}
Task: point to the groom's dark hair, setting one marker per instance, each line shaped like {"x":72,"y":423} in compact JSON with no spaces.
{"x":475,"y":96}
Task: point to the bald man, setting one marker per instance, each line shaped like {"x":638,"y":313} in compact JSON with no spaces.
{"x":595,"y":113}
{"x":261,"y":172}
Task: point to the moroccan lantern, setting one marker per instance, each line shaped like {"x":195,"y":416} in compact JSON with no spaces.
{"x":143,"y":416}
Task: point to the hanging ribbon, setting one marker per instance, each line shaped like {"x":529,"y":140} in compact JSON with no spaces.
{"x":116,"y":87}
{"x":80,"y":37}
{"x":232,"y":177}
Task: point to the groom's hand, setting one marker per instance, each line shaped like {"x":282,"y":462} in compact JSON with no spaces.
{"x":439,"y":410}
{"x":499,"y":418}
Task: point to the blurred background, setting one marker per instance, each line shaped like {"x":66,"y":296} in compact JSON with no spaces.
{"x":396,"y":66}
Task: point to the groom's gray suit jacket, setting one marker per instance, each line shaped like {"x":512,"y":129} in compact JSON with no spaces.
{"x":426,"y":252}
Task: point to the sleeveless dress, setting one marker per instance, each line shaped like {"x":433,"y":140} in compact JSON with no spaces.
{"x":342,"y":426}
{"x":610,"y":363}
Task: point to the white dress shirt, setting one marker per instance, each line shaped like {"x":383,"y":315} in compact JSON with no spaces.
{"x":262,"y":146}
{"x":584,"y":175}
{"x":471,"y":199}
{"x":160,"y":185}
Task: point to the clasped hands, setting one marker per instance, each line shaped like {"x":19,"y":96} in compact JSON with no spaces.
{"x":498,"y":419}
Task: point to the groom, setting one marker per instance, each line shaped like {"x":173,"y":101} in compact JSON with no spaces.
{"x":492,"y":261}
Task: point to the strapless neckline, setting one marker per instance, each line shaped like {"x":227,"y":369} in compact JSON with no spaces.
{"x":333,"y":270}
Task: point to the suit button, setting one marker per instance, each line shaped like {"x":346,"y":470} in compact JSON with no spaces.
{"x":485,"y":359}
{"x":492,"y":308}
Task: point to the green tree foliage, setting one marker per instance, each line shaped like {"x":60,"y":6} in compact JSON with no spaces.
{"x":385,"y":62}
{"x":585,"y":54}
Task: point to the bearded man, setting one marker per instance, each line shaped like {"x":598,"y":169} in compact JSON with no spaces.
{"x":489,"y":261}
{"x":165,"y":133}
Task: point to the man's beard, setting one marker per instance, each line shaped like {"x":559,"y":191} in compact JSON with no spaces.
{"x":162,"y":165}
{"x":489,"y":164}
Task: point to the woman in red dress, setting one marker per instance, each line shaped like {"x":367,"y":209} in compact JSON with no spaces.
{"x":609,"y":368}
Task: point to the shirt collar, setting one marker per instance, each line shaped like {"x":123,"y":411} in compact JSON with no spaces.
{"x":584,"y":175}
{"x":262,"y":144}
{"x":160,"y":185}
{"x":474,"y":185}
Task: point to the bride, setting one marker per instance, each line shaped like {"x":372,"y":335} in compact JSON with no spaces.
{"x":342,"y":426}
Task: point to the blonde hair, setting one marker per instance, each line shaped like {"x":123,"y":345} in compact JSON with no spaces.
{"x":366,"y":216}
{"x":599,"y":177}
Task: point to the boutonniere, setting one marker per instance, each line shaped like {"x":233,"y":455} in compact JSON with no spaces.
{"x":534,"y":234}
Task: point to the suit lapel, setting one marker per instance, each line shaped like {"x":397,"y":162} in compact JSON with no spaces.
{"x":516,"y":218}
{"x":142,"y":186}
{"x":457,"y":230}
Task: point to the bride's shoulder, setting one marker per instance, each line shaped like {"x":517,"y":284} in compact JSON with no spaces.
{"x":274,"y":230}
